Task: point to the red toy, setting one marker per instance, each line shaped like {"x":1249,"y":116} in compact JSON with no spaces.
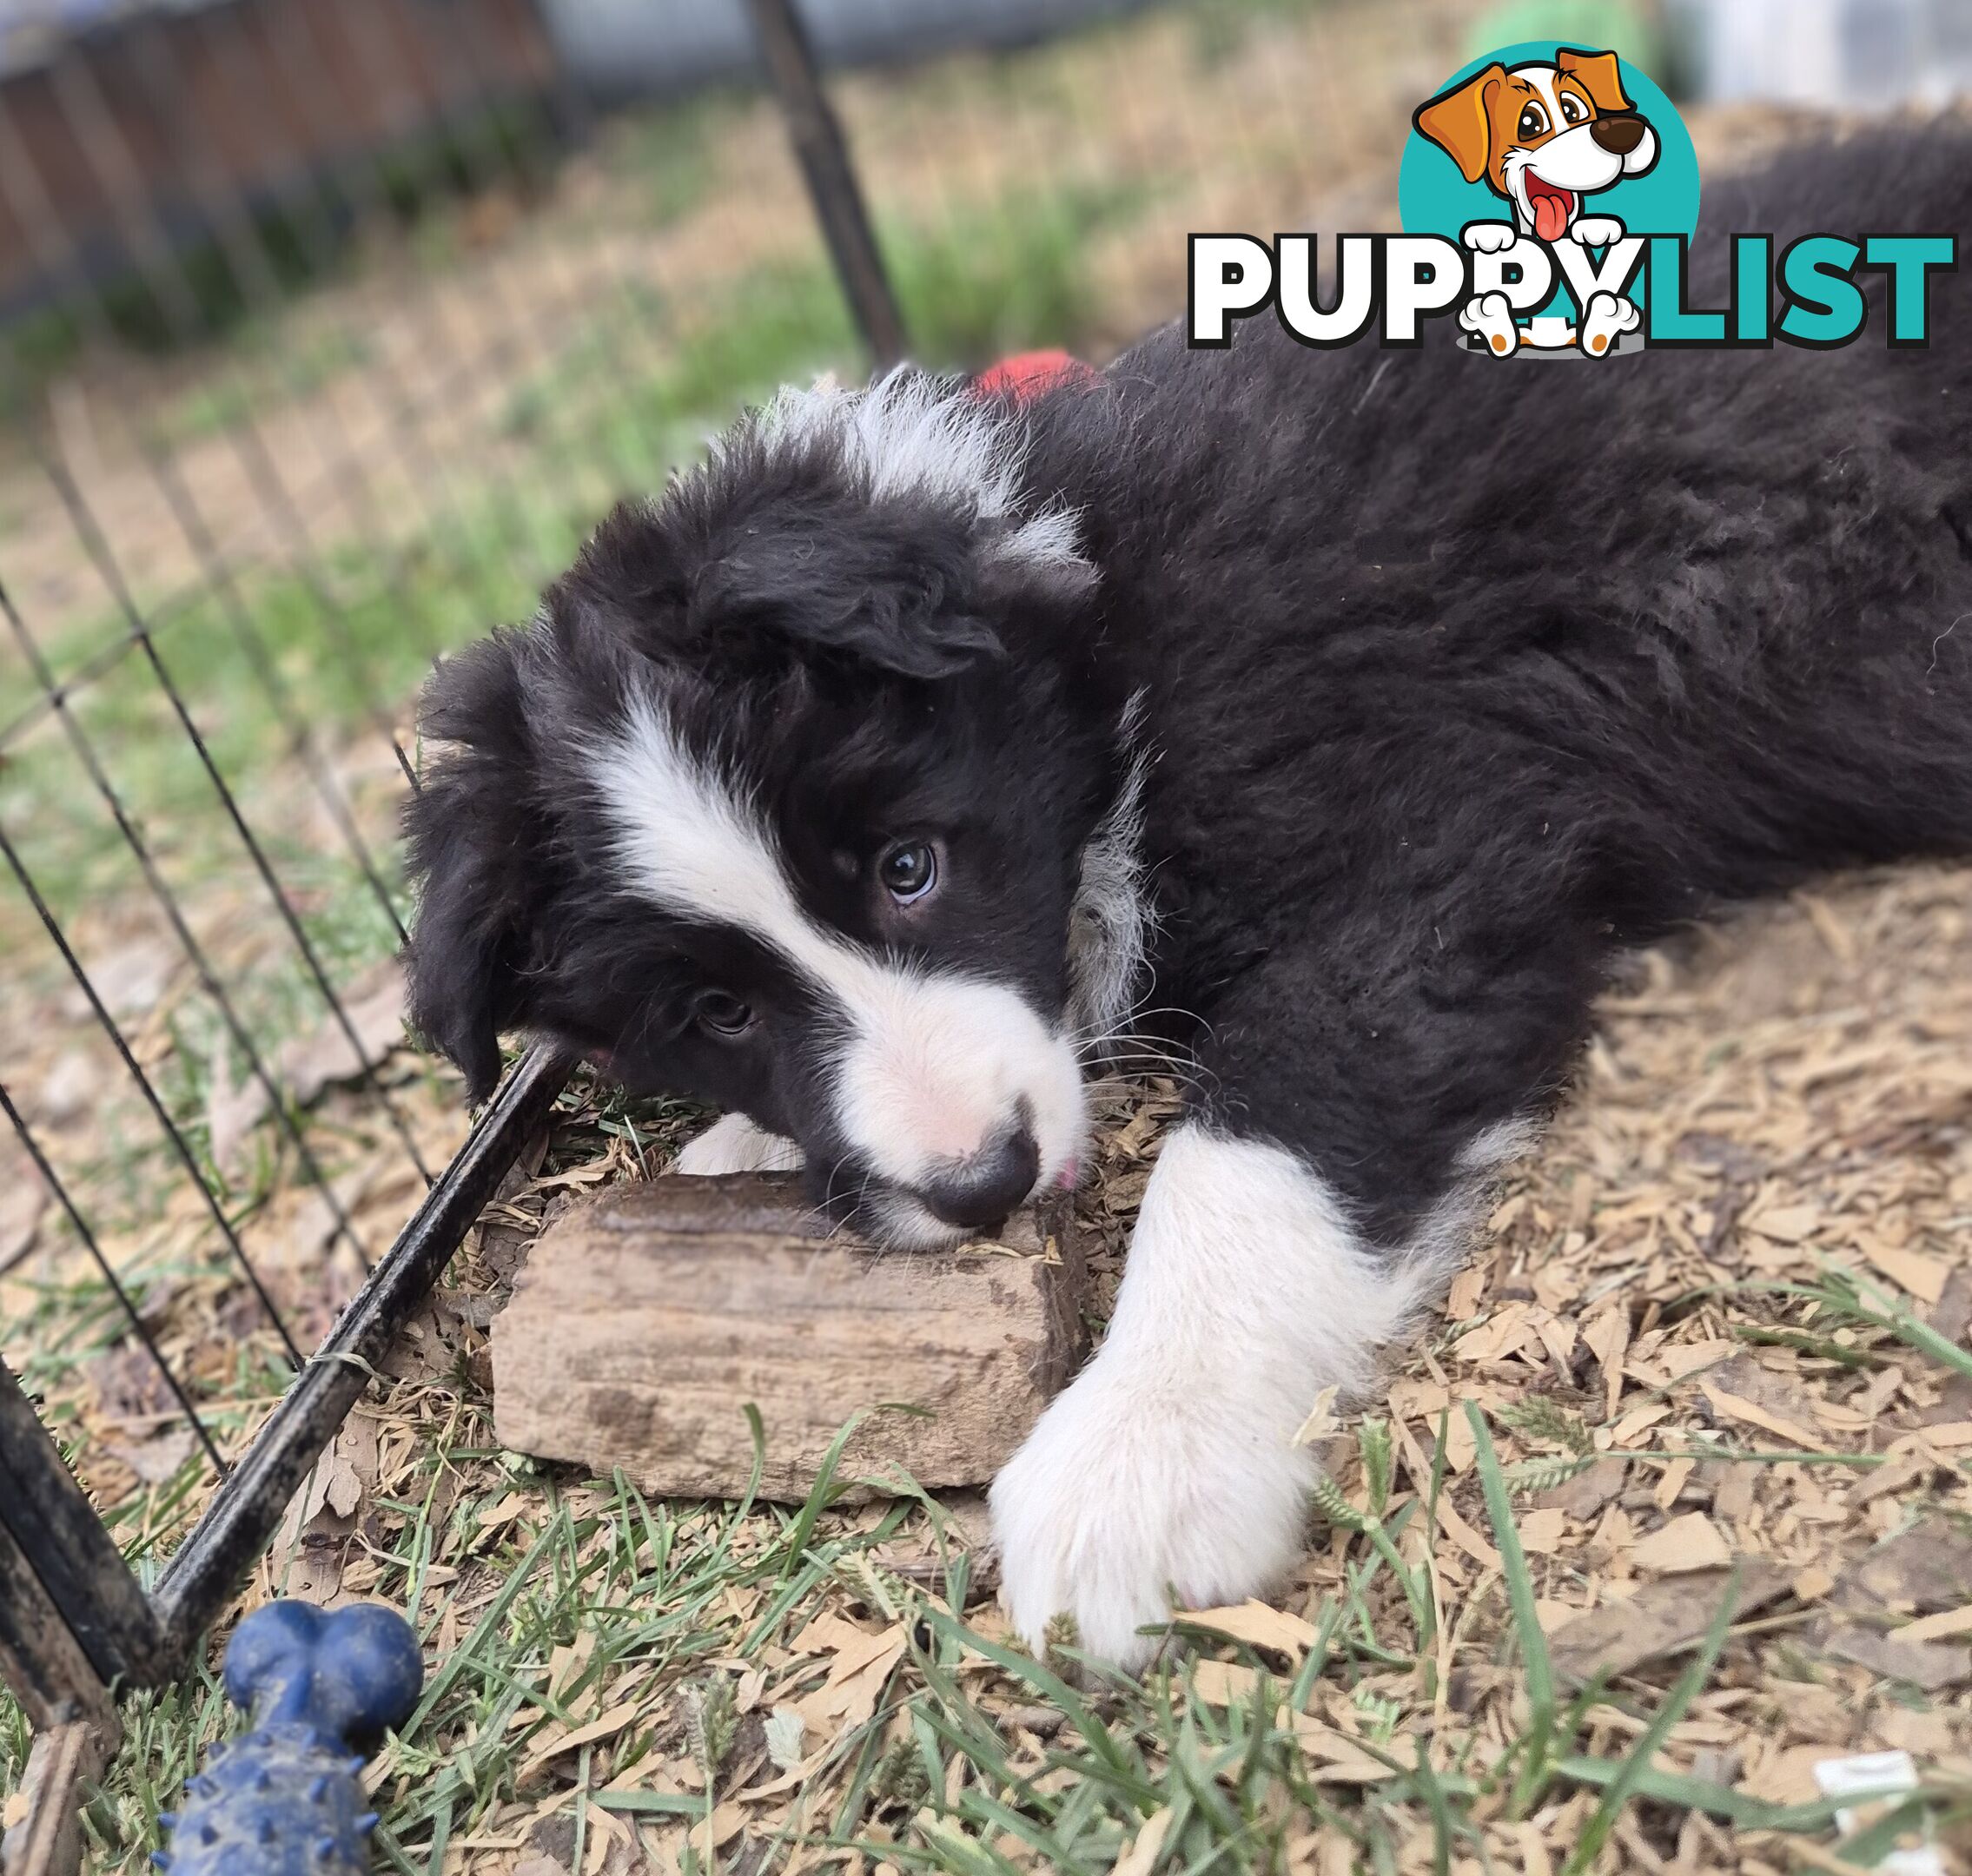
{"x":1028,"y":374}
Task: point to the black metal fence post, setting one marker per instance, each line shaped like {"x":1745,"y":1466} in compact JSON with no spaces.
{"x":53,"y":1531}
{"x":72,"y":1618}
{"x":823,"y":150}
{"x":242,"y":1518}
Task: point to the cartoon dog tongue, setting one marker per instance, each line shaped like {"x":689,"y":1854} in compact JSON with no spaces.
{"x":1551,"y":208}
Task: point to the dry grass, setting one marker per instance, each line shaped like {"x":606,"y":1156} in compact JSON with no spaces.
{"x":1717,"y":1323}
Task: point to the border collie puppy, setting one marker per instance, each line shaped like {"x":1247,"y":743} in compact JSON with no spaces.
{"x":1344,"y":709}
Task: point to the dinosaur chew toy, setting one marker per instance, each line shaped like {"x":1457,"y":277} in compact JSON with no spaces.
{"x":285,"y":1798}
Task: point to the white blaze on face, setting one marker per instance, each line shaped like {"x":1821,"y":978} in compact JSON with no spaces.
{"x":930,"y":1067}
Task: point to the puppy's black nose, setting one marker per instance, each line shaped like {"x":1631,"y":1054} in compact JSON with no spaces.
{"x":1619,"y":135}
{"x":979,"y":1194}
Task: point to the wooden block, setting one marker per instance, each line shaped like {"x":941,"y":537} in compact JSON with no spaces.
{"x":645,"y":1323}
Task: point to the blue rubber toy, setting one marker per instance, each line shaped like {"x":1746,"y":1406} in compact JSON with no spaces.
{"x":285,"y":1799}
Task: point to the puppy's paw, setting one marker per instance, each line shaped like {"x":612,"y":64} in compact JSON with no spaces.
{"x":1489,"y":237}
{"x":1131,"y":1496}
{"x":733,"y":1144}
{"x":1597,"y":231}
{"x":1491,"y":316}
{"x":1607,"y":319}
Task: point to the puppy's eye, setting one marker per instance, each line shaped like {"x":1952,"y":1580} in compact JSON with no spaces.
{"x":909,"y":872}
{"x":1534,"y":122}
{"x":1572,"y":107}
{"x":722,"y":1013}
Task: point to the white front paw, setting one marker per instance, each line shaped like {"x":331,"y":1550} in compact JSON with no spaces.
{"x":1597,"y":231}
{"x":1491,"y":316}
{"x":1131,"y":1496}
{"x":733,"y":1144}
{"x":1489,"y":237}
{"x":1608,"y":318}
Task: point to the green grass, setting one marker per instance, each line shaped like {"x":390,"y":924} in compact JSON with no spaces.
{"x":671,"y":151}
{"x":996,"y":281}
{"x":220,"y":404}
{"x":678,"y":1601}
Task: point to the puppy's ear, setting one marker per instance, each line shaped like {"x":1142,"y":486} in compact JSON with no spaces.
{"x":475,"y":853}
{"x":1599,"y":74}
{"x":1461,"y":121}
{"x":901,"y":595}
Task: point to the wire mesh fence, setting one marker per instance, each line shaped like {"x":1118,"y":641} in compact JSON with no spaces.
{"x":223,"y":576}
{"x":331,"y":329}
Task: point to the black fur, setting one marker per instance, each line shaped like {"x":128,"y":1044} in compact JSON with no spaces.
{"x":1459,"y":672}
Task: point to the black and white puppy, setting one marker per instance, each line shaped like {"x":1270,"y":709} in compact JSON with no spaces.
{"x":1345,"y":709}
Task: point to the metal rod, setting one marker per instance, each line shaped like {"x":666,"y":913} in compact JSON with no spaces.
{"x":244,"y":1514}
{"x":48,"y":1519}
{"x":823,"y":152}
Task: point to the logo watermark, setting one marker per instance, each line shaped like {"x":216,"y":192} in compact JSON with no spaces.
{"x":1549,"y":197}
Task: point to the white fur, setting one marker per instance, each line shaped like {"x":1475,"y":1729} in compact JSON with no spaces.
{"x":1545,"y":80}
{"x":733,"y":1144}
{"x":911,"y":434}
{"x":1112,"y":921}
{"x":1489,"y":237}
{"x":1609,"y":316}
{"x":1597,"y":231}
{"x":1169,"y":1466}
{"x":1491,"y":316}
{"x":930,"y":1067}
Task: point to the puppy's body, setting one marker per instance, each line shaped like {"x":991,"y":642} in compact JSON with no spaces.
{"x":1368,"y":698}
{"x":1456,"y":676}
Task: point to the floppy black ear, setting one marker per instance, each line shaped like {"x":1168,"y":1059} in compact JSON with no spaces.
{"x":474,"y":841}
{"x":900,"y":593}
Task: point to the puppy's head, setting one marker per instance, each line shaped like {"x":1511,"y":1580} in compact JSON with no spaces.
{"x":1543,"y":137}
{"x":781,"y":801}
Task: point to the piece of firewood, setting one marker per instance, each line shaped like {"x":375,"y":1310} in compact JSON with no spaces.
{"x":646,"y":1322}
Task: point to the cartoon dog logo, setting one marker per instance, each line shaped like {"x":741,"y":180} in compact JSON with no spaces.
{"x":1545,"y":137}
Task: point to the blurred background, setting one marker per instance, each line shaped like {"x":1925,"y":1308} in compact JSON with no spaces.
{"x":328,"y":327}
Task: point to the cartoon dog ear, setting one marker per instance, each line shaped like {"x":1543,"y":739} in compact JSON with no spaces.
{"x":474,"y":851}
{"x":1600,"y":75}
{"x":1461,"y":122}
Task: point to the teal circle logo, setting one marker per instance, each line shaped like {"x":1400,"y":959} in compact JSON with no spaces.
{"x":1527,"y":147}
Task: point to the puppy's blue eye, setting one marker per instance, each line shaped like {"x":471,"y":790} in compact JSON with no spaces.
{"x":909,"y":872}
{"x":722,"y":1013}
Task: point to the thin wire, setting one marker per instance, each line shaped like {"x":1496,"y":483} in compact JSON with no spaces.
{"x":178,"y":1142}
{"x":180,"y":600}
{"x":382,"y":68}
{"x":85,"y":753}
{"x":467,"y":371}
{"x":109,"y":1277}
{"x":96,"y":545}
{"x":27,"y":200}
{"x":100,"y":135}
